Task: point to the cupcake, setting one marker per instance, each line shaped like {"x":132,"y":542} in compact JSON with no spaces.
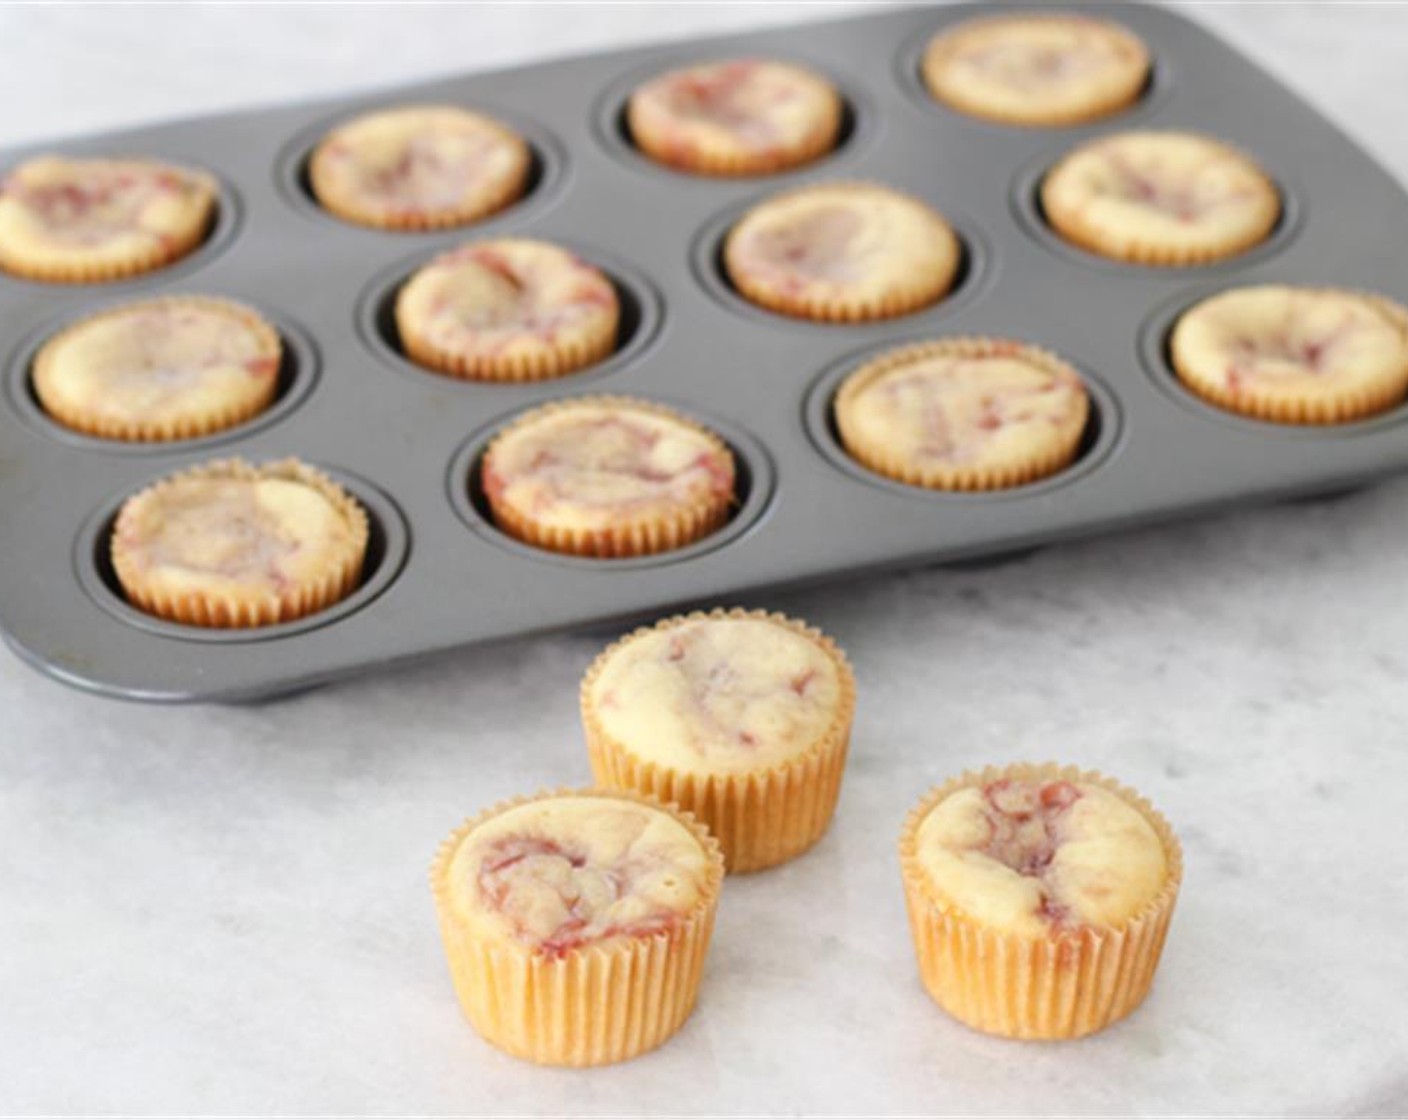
{"x":232,"y":545}
{"x":1036,"y":68}
{"x":747,"y":116}
{"x":162,"y":369}
{"x":1160,"y":198}
{"x":742,"y":718}
{"x":842,"y":252}
{"x":1039,"y":898}
{"x":607,"y":477}
{"x":89,"y":220}
{"x":419,"y":167}
{"x":576,"y":923}
{"x":509,"y":310}
{"x":1294,"y":355}
{"x":963,"y":414}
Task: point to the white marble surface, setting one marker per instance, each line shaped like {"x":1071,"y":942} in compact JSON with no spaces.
{"x":225,"y":910}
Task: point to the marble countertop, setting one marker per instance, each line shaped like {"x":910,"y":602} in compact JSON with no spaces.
{"x":225,"y":909}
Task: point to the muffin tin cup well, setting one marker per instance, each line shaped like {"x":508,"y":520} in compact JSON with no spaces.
{"x":406,"y":441}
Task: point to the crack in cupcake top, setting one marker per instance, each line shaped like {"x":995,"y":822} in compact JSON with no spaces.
{"x":560,"y":874}
{"x":842,"y":242}
{"x":237,"y":536}
{"x":1292,"y":342}
{"x":493,"y":298}
{"x":724,"y":695}
{"x":1036,"y":68}
{"x":1036,"y":858}
{"x":595,"y":464}
{"x":737,"y":108}
{"x":967,"y":408}
{"x":82,"y":207}
{"x":161,"y":361}
{"x":1166,"y":189}
{"x":419,"y":162}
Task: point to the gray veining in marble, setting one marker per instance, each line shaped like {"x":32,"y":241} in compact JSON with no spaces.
{"x":225,"y":910}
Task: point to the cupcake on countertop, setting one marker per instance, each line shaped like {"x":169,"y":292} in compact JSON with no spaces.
{"x":842,"y":252}
{"x":747,"y":116}
{"x":1047,"y":69}
{"x":576,"y":923}
{"x":231,"y":545}
{"x":1160,"y":198}
{"x":742,"y":718}
{"x":419,"y":167}
{"x":1294,"y":355}
{"x":607,"y":477}
{"x":1039,"y":898}
{"x":963,"y":414}
{"x":90,"y":220}
{"x":508,"y":310}
{"x":171,"y":368}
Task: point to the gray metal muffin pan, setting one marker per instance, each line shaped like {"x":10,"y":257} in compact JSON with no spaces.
{"x":406,"y":441}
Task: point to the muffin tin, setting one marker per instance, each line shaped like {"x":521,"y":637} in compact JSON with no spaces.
{"x":406,"y":441}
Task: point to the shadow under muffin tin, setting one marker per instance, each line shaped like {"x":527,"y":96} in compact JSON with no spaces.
{"x":406,"y":442}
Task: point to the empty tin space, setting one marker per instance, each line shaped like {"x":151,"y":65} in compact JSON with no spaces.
{"x":709,"y":268}
{"x":1098,"y":438}
{"x":753,"y":487}
{"x":637,"y":299}
{"x":296,"y":377}
{"x":388,"y":542}
{"x":613,"y":128}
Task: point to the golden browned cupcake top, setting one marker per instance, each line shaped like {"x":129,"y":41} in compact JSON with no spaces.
{"x":593,"y":464}
{"x":84,"y":220}
{"x":1160,"y":198}
{"x":1031,"y":857}
{"x":722,"y":693}
{"x":558,"y":874}
{"x":1036,"y":68}
{"x":963,"y":413}
{"x":510,"y":309}
{"x":230,"y":544}
{"x":746,"y":116}
{"x":161,"y":369}
{"x":842,"y":252}
{"x":1294,"y":354}
{"x":419,"y":167}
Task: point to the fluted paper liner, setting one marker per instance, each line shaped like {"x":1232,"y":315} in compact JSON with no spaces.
{"x":34,"y":262}
{"x":1064,"y":986}
{"x":1344,"y":407}
{"x":956,"y":95}
{"x":685,"y":525}
{"x":595,"y":1004}
{"x":761,"y":817}
{"x":209,"y":609}
{"x":882,"y":459}
{"x":486,"y":200}
{"x":928,"y":283}
{"x":191,"y":425}
{"x":1073,"y":223}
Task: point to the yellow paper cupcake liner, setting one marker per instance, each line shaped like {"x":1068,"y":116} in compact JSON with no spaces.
{"x":927,"y":283}
{"x":1064,"y":986}
{"x":484,"y":202}
{"x":223,"y":611}
{"x":883,"y":460}
{"x":661,"y":532}
{"x":727,"y":161}
{"x":761,"y":817}
{"x":1341,"y":407}
{"x":595,"y":1005}
{"x":190,"y":426}
{"x":592,"y":341}
{"x":1099,"y":104}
